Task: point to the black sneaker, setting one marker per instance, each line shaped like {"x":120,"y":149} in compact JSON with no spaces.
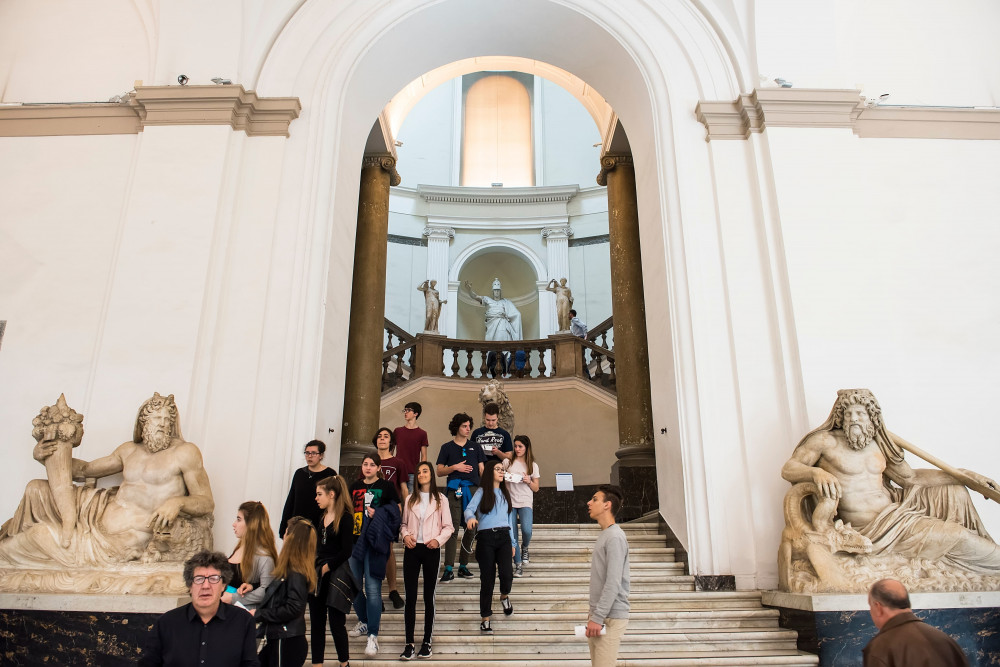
{"x":508,"y":608}
{"x":447,"y":576}
{"x":397,"y":601}
{"x":485,"y":628}
{"x":524,"y":555}
{"x":464,"y":572}
{"x":425,"y":650}
{"x":407,"y":653}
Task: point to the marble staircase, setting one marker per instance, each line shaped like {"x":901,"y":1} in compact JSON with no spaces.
{"x":670,"y":623}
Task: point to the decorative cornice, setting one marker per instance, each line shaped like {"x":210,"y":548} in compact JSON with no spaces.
{"x":561,"y":232}
{"x":445,"y":233}
{"x":818,"y":107}
{"x":610,"y":162}
{"x":465,"y":195}
{"x":230,"y":105}
{"x":383,"y":161}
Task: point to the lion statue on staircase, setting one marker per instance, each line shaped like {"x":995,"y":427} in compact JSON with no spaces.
{"x":493,"y":392}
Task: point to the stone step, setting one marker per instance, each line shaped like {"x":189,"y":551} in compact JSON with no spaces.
{"x":505,"y":640}
{"x":388,"y":658}
{"x":648,"y":620}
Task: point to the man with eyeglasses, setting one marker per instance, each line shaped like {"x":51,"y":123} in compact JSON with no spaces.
{"x":411,"y":440}
{"x":301,"y":499}
{"x":205,"y":631}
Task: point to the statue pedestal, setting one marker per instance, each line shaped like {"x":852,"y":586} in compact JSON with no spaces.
{"x":91,"y":630}
{"x":837,"y":626}
{"x":639,"y":481}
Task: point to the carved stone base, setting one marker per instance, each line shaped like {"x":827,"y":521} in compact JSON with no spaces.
{"x":917,"y":574}
{"x":128,"y":579}
{"x":639,"y":484}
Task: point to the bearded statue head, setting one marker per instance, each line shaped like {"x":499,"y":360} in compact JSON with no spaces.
{"x":861,"y":432}
{"x":151,"y":435}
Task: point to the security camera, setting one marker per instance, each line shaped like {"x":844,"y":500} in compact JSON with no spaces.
{"x":183,"y":79}
{"x":219,"y":81}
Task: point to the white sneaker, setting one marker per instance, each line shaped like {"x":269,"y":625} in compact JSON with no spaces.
{"x":372,"y":649}
{"x":359,"y":630}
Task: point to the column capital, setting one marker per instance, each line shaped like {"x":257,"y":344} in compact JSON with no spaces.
{"x":561,"y":232}
{"x":609,"y":162}
{"x":385,"y":161}
{"x":432,"y":232}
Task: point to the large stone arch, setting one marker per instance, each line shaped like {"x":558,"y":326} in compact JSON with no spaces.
{"x":345,"y":60}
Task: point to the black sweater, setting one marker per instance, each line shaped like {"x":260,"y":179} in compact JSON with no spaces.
{"x":301,"y":499}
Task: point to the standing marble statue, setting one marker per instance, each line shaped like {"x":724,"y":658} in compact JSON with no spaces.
{"x":564,"y":301}
{"x":161,"y":511}
{"x":503,"y":319}
{"x":843,"y":470}
{"x":432,"y":305}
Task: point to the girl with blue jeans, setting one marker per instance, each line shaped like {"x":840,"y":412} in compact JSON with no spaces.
{"x":367,"y":493}
{"x":522,"y":484}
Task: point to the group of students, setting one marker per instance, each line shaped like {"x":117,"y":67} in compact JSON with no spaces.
{"x":329,"y":527}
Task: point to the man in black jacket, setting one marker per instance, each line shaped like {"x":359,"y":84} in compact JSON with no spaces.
{"x":205,"y":631}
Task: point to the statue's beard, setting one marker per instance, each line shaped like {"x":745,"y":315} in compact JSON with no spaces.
{"x":859,"y":436}
{"x":155,"y":441}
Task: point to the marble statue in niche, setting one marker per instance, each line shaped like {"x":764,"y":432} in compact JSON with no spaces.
{"x":161,"y":513}
{"x":432,"y":305}
{"x":503,"y":319}
{"x":564,"y":301}
{"x":858,"y":512}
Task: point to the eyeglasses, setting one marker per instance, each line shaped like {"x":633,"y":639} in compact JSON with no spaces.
{"x":311,"y":453}
{"x":405,"y":410}
{"x":199,"y":580}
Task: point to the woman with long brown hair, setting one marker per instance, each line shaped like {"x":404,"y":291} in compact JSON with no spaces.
{"x":282,"y":611}
{"x":336,"y":540}
{"x":426,"y":526}
{"x":489,"y":511}
{"x":254,"y":556}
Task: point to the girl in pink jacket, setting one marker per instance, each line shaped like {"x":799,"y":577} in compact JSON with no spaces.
{"x":426,"y":526}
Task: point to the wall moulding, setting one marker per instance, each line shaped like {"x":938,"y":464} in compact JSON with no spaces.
{"x":230,"y":105}
{"x":820,"y":107}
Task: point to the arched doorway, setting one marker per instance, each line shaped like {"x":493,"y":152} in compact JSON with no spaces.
{"x":651,"y":68}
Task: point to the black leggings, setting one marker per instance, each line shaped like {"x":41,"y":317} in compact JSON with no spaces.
{"x":494,"y":555}
{"x":318,"y":612}
{"x":416,"y":559}
{"x":287,"y":652}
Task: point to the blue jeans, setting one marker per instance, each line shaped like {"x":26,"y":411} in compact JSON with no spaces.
{"x":368,"y":604}
{"x":524,"y":514}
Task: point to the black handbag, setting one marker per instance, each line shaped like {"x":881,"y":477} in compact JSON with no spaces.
{"x":343,"y":588}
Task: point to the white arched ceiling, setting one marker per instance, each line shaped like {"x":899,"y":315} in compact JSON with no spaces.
{"x":400,"y":105}
{"x":651,"y":60}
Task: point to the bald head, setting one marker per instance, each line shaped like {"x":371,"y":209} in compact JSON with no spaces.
{"x":886,"y":599}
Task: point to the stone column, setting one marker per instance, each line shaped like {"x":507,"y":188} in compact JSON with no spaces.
{"x":363,"y":383}
{"x":635,"y":423}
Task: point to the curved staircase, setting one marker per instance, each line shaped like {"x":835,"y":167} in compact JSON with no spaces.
{"x":670,"y":623}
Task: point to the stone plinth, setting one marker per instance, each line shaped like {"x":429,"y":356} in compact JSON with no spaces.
{"x":639,"y":483}
{"x":86,"y":630}
{"x":837,"y":627}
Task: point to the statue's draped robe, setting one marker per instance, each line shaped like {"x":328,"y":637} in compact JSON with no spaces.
{"x":503,"y":320}
{"x":31,"y":536}
{"x":924,"y":521}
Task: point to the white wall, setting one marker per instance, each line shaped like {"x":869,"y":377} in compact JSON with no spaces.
{"x":892,"y":248}
{"x":566,"y":139}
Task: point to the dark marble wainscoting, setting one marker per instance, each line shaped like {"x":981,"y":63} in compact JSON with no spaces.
{"x":714,"y":582}
{"x":839,"y":636}
{"x":638,"y":483}
{"x":30,"y":637}
{"x":551,"y":506}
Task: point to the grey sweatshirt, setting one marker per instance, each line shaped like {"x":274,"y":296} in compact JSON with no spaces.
{"x":609,"y":578}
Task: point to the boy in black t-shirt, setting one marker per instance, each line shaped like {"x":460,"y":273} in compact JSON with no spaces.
{"x":495,"y":442}
{"x":462,"y":462}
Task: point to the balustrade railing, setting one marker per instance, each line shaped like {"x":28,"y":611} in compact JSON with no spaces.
{"x":407,"y":357}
